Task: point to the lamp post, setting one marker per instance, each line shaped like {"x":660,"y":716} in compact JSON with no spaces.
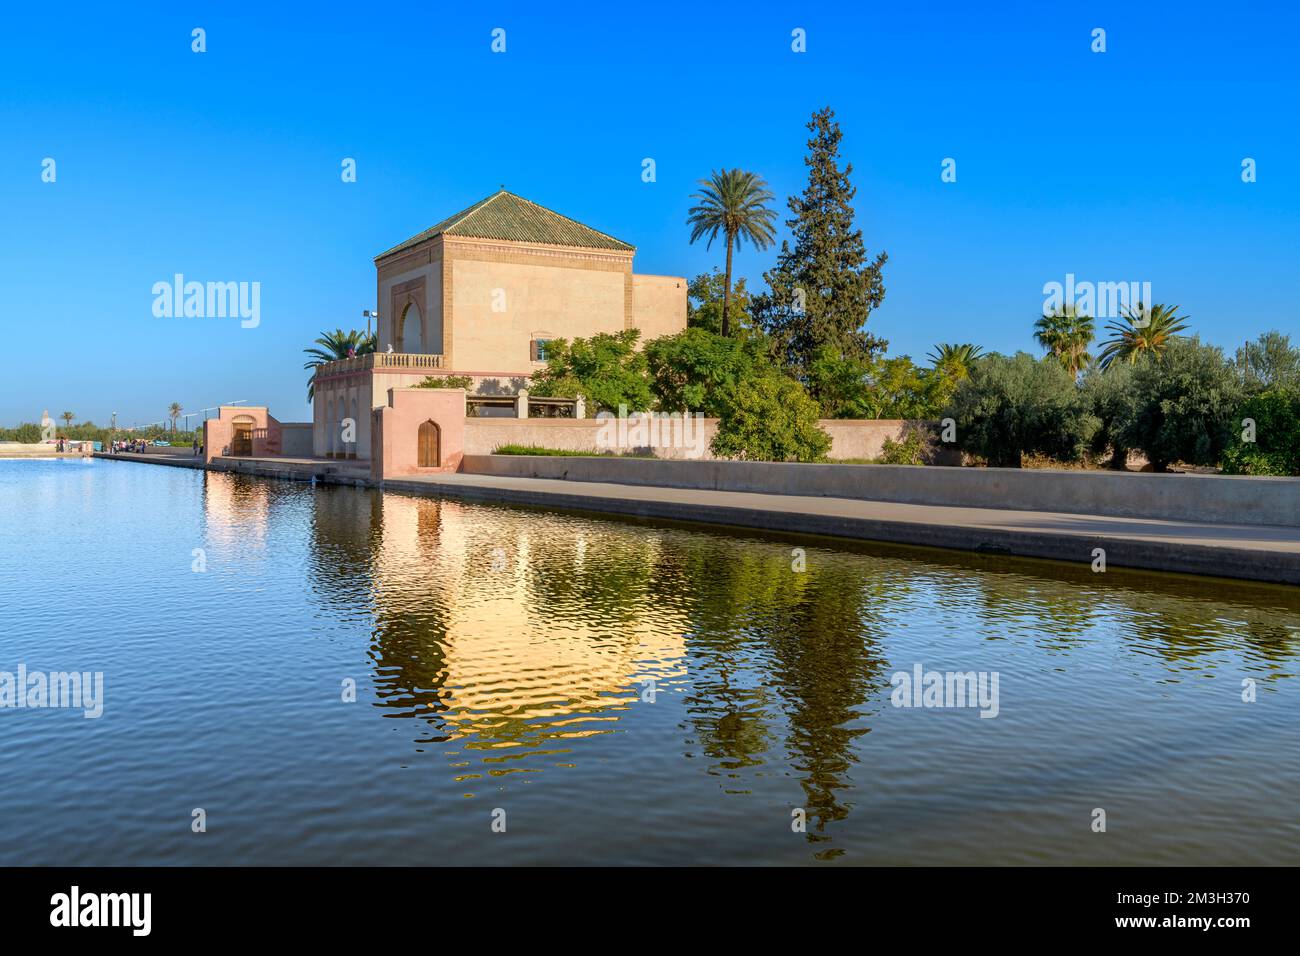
{"x":369,"y":314}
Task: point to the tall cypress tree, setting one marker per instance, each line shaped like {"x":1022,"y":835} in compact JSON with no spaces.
{"x":829,"y":264}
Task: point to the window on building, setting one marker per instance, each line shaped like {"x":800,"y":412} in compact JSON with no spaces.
{"x":539,"y":350}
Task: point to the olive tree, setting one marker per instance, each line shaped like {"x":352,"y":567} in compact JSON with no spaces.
{"x":1010,"y":406}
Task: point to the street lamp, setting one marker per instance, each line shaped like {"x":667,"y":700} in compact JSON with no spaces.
{"x":369,"y":314}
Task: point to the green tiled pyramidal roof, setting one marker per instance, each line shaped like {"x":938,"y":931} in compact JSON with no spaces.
{"x":503,"y":215}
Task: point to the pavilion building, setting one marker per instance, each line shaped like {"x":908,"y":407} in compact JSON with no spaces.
{"x":480,"y":294}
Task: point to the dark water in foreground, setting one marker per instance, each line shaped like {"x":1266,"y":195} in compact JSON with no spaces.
{"x":501,"y":659}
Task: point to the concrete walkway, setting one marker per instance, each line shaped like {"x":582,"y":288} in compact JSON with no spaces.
{"x":1252,"y":552}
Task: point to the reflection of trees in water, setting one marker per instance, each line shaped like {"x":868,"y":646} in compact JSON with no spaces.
{"x":587,"y":576}
{"x":775,"y":657}
{"x":1183,"y":621}
{"x":346,"y":525}
{"x":769,"y":645}
{"x":407,"y":634}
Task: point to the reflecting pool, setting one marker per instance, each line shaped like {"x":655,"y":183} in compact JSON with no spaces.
{"x":339,"y":676}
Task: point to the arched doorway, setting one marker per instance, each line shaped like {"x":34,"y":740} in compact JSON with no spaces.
{"x":412,"y":339}
{"x":241,"y":440}
{"x":430,"y":454}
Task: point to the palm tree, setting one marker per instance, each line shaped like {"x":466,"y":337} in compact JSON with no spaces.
{"x":732,"y":202}
{"x":1142,"y":331}
{"x":67,"y":419}
{"x":954,"y":359}
{"x":335,"y":346}
{"x":174,"y":412}
{"x":1066,"y":334}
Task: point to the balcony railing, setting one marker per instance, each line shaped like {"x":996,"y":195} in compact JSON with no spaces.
{"x":381,"y":360}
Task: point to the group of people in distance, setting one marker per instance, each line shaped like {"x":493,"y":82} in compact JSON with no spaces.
{"x":136,"y":446}
{"x":139,"y":446}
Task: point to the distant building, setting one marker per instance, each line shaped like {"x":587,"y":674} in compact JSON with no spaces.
{"x":480,"y":294}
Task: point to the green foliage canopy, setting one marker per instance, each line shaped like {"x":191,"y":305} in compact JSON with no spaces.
{"x":608,"y":370}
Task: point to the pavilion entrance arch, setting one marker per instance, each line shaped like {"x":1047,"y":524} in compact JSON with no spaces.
{"x":241,"y":438}
{"x":410,"y":336}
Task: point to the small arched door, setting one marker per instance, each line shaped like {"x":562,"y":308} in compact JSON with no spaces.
{"x":430,"y":454}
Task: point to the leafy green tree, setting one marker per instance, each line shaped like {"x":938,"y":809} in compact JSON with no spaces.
{"x":1185,"y":400}
{"x":1141,"y":332}
{"x":732,"y":203}
{"x":825,"y":286}
{"x":26,"y":433}
{"x":697,"y":370}
{"x":67,"y":419}
{"x":1109,"y":392}
{"x":872,"y":386}
{"x":954,"y":359}
{"x":608,"y":370}
{"x":1066,"y":334}
{"x":1012,"y":406}
{"x":1270,"y":362}
{"x":173,"y":412}
{"x":334,"y":346}
{"x":705,"y":295}
{"x":1271,"y":446}
{"x":771,"y":418}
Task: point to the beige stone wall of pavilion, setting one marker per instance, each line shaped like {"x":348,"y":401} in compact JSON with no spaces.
{"x":416,"y":276}
{"x":548,"y":292}
{"x":658,"y":305}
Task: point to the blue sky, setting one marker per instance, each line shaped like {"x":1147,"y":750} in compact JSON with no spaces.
{"x":224,"y":166}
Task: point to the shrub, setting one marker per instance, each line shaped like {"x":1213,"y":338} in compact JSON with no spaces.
{"x":512,"y":449}
{"x":871,"y":386}
{"x":1109,"y":394}
{"x":446,"y":381}
{"x":1270,"y":363}
{"x":697,"y":370}
{"x":1012,"y":406}
{"x":771,"y":418}
{"x":1276,"y":448}
{"x":913,"y":448}
{"x":1185,"y":401}
{"x":28,"y":433}
{"x":606,"y":369}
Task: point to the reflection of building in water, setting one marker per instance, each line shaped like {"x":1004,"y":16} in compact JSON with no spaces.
{"x":235,"y":511}
{"x":489,"y":624}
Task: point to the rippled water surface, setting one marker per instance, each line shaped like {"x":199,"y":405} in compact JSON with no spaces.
{"x":615,"y":692}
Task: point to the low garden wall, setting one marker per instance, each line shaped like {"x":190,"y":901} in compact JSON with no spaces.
{"x":170,"y":450}
{"x":849,"y":438}
{"x":1221,"y":498}
{"x":296,"y":439}
{"x":13,"y":449}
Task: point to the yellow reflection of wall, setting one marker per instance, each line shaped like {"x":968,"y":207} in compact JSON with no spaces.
{"x":236,"y":512}
{"x":515,"y":670}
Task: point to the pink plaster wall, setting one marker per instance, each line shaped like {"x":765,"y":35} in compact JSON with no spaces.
{"x":219,"y":432}
{"x":395,"y":430}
